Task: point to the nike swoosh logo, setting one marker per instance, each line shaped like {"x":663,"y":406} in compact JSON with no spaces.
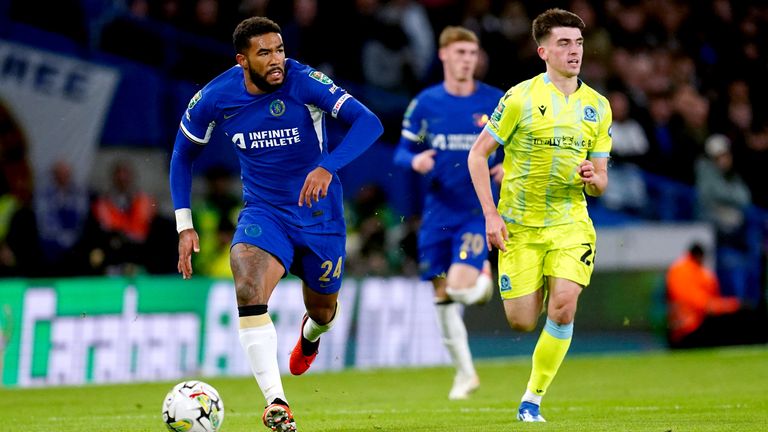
{"x":230,"y":116}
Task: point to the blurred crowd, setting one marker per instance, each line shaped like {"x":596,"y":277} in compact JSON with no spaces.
{"x":685,"y":79}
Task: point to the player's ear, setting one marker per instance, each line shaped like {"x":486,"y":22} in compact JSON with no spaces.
{"x":241,"y":60}
{"x":441,"y":53}
{"x":542,"y":52}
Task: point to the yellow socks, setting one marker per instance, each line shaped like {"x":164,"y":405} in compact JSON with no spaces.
{"x":549,"y":353}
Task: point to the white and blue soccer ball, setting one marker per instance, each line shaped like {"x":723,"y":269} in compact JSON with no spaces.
{"x":193,"y":406}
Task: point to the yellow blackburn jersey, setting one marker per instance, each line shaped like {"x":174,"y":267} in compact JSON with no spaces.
{"x":545,"y":137}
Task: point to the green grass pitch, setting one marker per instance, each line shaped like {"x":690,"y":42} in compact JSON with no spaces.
{"x":705,"y":390}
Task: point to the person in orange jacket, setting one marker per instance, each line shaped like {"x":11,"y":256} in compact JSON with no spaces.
{"x":695,"y":307}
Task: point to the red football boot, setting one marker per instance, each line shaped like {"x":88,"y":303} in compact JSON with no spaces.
{"x":299,"y":363}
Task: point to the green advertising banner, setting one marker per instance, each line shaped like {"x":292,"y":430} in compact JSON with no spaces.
{"x":112,"y":329}
{"x":99,"y":330}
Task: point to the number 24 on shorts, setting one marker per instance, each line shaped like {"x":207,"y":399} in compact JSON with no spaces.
{"x":329,"y":267}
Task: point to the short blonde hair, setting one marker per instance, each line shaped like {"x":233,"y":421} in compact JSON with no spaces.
{"x":453,"y":34}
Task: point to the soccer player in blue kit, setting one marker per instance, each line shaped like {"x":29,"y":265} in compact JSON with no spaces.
{"x":272,"y":111}
{"x":439,"y":127}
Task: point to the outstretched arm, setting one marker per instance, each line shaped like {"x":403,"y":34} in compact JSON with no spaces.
{"x":184,"y":154}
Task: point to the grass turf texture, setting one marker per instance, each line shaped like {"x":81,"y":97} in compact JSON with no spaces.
{"x":705,"y":390}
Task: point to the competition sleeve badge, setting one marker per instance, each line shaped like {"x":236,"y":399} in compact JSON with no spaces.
{"x":195,"y":99}
{"x":320,"y":77}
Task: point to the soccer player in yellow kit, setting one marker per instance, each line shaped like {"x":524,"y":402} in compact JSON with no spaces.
{"x":555,"y":130}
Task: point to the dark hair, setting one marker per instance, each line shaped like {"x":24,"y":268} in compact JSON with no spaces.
{"x":250,"y":27}
{"x":551,"y":18}
{"x":697,"y":250}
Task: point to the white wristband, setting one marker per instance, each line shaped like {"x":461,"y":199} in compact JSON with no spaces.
{"x":183,"y":219}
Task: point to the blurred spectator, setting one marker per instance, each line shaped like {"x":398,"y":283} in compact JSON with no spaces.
{"x":14,"y":164}
{"x":206,"y":20}
{"x":305,"y":35}
{"x":218,"y":264}
{"x":597,"y":45}
{"x":630,"y":26}
{"x":249,"y":8}
{"x":20,"y":252}
{"x":753,"y":162}
{"x":628,"y":154}
{"x":133,"y":36}
{"x":362,"y":24}
{"x":62,"y":211}
{"x":675,"y":27}
{"x":698,"y":315}
{"x":167,"y":11}
{"x":723,"y":197}
{"x":215,"y":216}
{"x":496,"y":65}
{"x":689,"y":129}
{"x":411,"y":16}
{"x":123,"y":215}
{"x":673,"y":153}
{"x":384,"y":54}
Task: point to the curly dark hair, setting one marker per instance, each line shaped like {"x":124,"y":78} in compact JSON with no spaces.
{"x":250,"y":27}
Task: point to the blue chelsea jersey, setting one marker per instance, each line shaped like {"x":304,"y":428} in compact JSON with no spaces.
{"x":450,"y":125}
{"x":279,"y":137}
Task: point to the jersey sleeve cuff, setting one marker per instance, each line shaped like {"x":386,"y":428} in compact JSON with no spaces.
{"x":183,"y":219}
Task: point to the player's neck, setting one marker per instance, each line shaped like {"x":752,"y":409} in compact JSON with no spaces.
{"x":459,"y":88}
{"x":252,"y":88}
{"x":566,"y":85}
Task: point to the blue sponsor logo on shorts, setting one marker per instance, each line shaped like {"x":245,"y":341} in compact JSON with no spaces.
{"x":253,"y":230}
{"x":505,"y":284}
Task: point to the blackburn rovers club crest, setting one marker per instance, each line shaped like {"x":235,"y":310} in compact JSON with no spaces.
{"x":504,"y":283}
{"x":590,"y":114}
{"x":277,"y":108}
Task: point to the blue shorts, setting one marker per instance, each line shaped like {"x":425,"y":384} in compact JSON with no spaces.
{"x":315,"y":254}
{"x":440,"y":247}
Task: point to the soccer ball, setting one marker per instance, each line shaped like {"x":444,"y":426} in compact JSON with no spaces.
{"x":193,"y":406}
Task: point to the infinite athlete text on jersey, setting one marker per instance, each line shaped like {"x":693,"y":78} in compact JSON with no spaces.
{"x":269,"y":138}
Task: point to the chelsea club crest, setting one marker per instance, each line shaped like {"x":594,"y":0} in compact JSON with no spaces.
{"x":277,"y":108}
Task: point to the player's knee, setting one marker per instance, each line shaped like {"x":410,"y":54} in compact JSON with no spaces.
{"x":562,"y":317}
{"x":248,"y":291}
{"x":522,"y":324}
{"x":562,"y":313}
